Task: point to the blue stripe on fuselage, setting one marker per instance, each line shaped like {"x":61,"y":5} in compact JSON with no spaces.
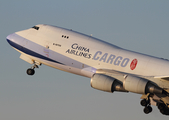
{"x":30,"y":52}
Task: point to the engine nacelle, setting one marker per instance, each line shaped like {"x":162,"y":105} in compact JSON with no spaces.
{"x":141,"y":85}
{"x":106,"y":83}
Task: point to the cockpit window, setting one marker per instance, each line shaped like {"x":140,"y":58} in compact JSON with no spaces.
{"x":35,"y":27}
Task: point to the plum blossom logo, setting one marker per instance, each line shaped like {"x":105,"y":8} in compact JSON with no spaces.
{"x":133,"y":64}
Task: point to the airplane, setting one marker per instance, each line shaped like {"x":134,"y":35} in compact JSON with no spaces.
{"x":111,"y":68}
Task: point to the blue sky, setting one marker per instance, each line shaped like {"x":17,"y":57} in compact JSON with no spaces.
{"x":141,"y":26}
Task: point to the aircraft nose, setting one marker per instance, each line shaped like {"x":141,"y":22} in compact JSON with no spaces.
{"x":14,"y":40}
{"x":9,"y":38}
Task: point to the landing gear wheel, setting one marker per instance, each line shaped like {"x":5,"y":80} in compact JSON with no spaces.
{"x":144,"y":102}
{"x":163,"y":111}
{"x":161,"y":106}
{"x":147,"y":109}
{"x":30,"y":71}
{"x":167,"y":111}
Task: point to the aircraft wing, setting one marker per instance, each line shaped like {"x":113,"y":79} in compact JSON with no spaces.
{"x":112,"y":73}
{"x":157,"y":98}
{"x":162,"y":77}
{"x":116,"y":74}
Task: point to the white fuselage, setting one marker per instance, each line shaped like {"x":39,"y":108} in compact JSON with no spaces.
{"x":80,"y":54}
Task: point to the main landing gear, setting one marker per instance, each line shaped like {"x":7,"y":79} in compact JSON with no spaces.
{"x":163,"y":108}
{"x":31,"y":70}
{"x":147,"y":106}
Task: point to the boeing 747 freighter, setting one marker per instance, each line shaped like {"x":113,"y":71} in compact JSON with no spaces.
{"x":109,"y":67}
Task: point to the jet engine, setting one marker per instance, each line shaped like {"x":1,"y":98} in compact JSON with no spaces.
{"x":130,"y":84}
{"x":106,"y":83}
{"x":141,"y":85}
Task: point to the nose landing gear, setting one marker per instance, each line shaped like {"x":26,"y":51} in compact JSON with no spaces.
{"x":31,"y":70}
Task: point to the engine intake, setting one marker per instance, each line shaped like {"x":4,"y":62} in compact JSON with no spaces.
{"x":106,"y":83}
